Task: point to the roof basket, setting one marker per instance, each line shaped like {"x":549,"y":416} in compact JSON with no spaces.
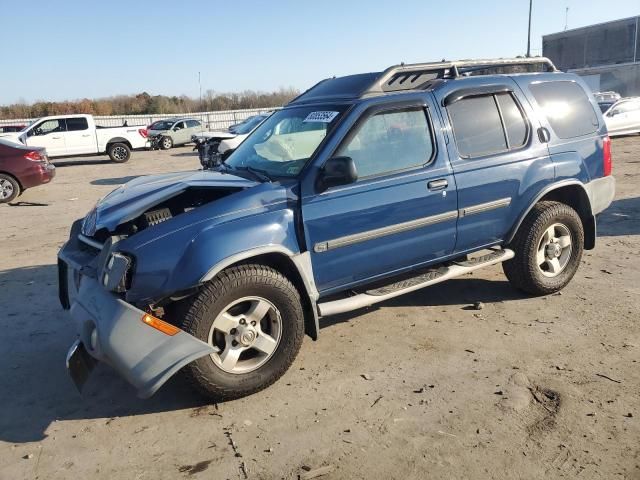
{"x":419,"y":75}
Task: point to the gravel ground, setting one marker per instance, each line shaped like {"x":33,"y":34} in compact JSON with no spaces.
{"x":423,"y":385}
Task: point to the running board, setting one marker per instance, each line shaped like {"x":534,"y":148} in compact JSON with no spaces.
{"x":425,"y":279}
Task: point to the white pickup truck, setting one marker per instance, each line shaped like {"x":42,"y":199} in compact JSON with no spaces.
{"x":69,"y":135}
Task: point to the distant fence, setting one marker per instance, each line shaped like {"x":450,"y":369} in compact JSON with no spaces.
{"x":211,"y":120}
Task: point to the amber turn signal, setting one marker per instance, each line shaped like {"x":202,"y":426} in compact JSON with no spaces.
{"x":161,"y":325}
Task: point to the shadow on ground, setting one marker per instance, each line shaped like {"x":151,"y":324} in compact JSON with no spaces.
{"x":34,"y":386}
{"x":621,"y":218}
{"x":114,"y":180}
{"x":81,"y":161}
{"x":185,"y":154}
{"x":35,"y":389}
{"x":459,"y":291}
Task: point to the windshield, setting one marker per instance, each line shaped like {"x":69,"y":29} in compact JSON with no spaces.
{"x":162,"y":125}
{"x":249,"y":125}
{"x":284,"y":142}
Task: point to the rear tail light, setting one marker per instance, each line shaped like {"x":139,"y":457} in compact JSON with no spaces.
{"x":606,"y":156}
{"x":35,"y":156}
{"x":143,"y":132}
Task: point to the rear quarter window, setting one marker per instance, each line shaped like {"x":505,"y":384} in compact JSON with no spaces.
{"x":567,"y":108}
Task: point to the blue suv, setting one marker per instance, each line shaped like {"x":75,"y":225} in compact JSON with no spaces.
{"x":361,"y":189}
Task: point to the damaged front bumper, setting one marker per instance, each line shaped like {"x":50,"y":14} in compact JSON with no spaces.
{"x":112,"y":331}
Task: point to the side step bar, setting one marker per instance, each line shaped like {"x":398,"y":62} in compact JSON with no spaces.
{"x":431,"y":277}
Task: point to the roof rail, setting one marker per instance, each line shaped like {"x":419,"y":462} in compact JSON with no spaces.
{"x":418,"y":75}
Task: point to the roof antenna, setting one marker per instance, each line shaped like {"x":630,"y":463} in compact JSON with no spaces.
{"x":566,"y":19}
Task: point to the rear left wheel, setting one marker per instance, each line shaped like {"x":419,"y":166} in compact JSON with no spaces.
{"x":9,"y":188}
{"x":548,"y":248}
{"x":252,"y":315}
{"x":119,"y":152}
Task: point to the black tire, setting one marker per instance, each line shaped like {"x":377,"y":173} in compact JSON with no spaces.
{"x":523,"y":271}
{"x":166,"y":143}
{"x":119,"y":152}
{"x":200,"y":311}
{"x":10,"y":187}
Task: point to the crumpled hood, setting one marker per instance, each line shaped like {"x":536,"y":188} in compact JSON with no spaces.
{"x":135,"y":197}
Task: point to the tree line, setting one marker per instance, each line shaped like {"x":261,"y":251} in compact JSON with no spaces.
{"x":143,"y":103}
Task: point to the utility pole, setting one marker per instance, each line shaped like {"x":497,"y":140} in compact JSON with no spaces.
{"x":529,"y":33}
{"x":200,"y":86}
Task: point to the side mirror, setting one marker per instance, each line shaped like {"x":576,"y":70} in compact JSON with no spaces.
{"x":337,"y":171}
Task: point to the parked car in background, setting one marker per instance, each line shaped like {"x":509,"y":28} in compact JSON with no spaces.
{"x":607,"y":97}
{"x":232,"y":128}
{"x":216,"y":145}
{"x":623,"y":117}
{"x":11,"y":128}
{"x":175,"y":131}
{"x":72,"y":135}
{"x":359,"y":190}
{"x":604,"y":106}
{"x":22,"y":167}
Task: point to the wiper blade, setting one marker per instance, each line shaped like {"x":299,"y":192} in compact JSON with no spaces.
{"x":260,"y":174}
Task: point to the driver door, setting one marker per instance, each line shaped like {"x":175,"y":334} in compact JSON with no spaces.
{"x":50,"y":134}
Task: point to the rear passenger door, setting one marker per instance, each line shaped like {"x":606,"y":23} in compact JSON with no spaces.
{"x":78,"y":138}
{"x":400,"y":213}
{"x":499,"y":163}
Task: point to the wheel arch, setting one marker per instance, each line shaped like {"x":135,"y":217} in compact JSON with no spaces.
{"x":296,"y":267}
{"x":118,"y":140}
{"x":22,"y":189}
{"x":573,"y":194}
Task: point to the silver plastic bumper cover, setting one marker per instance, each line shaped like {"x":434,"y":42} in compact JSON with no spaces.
{"x":601,"y":192}
{"x":112,"y":331}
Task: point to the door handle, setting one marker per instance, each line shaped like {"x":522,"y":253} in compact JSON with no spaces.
{"x":543,"y":135}
{"x":439,"y":184}
{"x":56,"y":138}
{"x":86,"y":136}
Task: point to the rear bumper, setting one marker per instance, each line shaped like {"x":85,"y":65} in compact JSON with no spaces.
{"x":601,"y":192}
{"x":112,"y":331}
{"x":38,"y":175}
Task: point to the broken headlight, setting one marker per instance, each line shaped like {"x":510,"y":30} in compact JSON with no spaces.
{"x":116,"y":274}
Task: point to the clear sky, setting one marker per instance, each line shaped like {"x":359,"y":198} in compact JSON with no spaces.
{"x":70,"y":49}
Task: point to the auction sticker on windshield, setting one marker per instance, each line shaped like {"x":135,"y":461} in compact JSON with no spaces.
{"x":321,"y":117}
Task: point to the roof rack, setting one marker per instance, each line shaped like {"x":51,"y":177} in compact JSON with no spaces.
{"x":418,"y":75}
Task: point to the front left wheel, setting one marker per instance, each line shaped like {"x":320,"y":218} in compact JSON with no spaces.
{"x":252,"y":315}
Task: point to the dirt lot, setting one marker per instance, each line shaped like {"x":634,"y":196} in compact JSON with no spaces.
{"x":420,"y":387}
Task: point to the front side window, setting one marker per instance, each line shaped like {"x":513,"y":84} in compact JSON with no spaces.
{"x":389,"y":141}
{"x":625,"y":107}
{"x":284,"y":143}
{"x":567,"y":108}
{"x":49,"y":126}
{"x":77,"y":124}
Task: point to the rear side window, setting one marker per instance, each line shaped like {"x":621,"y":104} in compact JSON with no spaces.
{"x":514,"y":122}
{"x":77,"y":124}
{"x":487,"y":124}
{"x":390,"y":141}
{"x":193,"y":123}
{"x":567,"y":108}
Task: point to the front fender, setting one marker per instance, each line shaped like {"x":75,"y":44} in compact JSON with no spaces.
{"x":181,"y":261}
